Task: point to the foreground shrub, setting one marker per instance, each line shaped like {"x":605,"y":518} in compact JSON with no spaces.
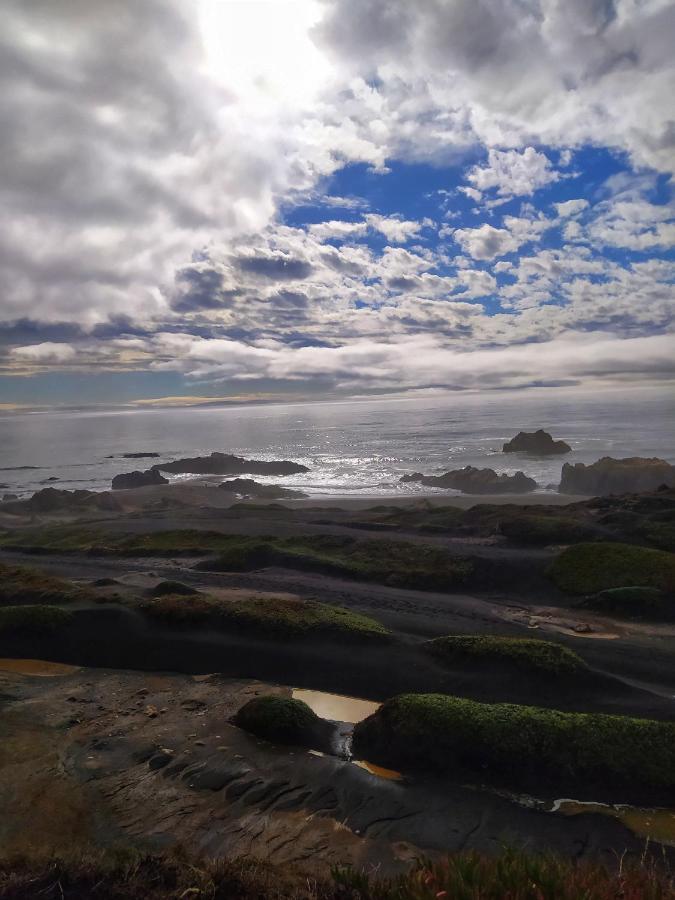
{"x":591,"y":568}
{"x":527,"y":654}
{"x":543,"y":530}
{"x":514,"y":875}
{"x":519,"y":743}
{"x":33,"y":619}
{"x":276,"y":616}
{"x":278,"y":719}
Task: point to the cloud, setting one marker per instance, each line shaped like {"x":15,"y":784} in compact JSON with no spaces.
{"x":571,"y":207}
{"x":513,"y":173}
{"x":47,"y":352}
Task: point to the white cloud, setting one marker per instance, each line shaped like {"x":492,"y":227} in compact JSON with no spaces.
{"x":571,"y":207}
{"x":47,"y":352}
{"x":634,"y":224}
{"x":513,"y":173}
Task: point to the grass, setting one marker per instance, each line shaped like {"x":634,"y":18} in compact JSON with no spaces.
{"x":513,"y":875}
{"x":33,"y":619}
{"x":532,"y":656}
{"x":277,"y":719}
{"x":19,"y":584}
{"x":591,"y":568}
{"x":542,"y":530}
{"x":518,"y":744}
{"x":185,"y":542}
{"x":276,"y":616}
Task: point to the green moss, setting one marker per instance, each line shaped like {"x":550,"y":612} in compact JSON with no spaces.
{"x":177,"y":588}
{"x":591,"y":568}
{"x":277,"y":719}
{"x":33,"y":619}
{"x":396,"y":563}
{"x":518,"y":742}
{"x":265,"y":615}
{"x":527,"y":654}
{"x":19,"y":584}
{"x":630,"y":601}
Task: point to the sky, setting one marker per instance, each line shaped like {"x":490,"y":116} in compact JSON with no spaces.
{"x":284,"y":199}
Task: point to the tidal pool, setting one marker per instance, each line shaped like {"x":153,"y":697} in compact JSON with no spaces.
{"x":38,"y":667}
{"x":335,"y":706}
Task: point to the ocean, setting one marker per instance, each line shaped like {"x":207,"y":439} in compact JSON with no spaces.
{"x":357,"y":447}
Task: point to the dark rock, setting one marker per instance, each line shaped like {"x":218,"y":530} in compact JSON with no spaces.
{"x":162,"y":758}
{"x":247,"y":487}
{"x":51,"y":478}
{"x":226,"y":464}
{"x":167,"y":588}
{"x":470,"y":480}
{"x":7,"y":498}
{"x":105,"y":582}
{"x":616,"y":476}
{"x":141,"y":455}
{"x":3,"y":486}
{"x":538,"y":443}
{"x":130,"y":480}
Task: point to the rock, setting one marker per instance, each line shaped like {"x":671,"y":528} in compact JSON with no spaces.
{"x":538,"y":443}
{"x":226,"y":464}
{"x":247,"y":487}
{"x":160,"y":759}
{"x":130,"y":480}
{"x":616,"y":476}
{"x":48,"y":480}
{"x":470,"y":480}
{"x":7,"y":498}
{"x":140,"y":456}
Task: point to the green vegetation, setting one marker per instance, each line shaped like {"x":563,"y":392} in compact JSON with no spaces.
{"x":519,"y":743}
{"x":177,"y":588}
{"x":277,"y":616}
{"x":278,"y":719}
{"x":591,"y":568}
{"x":529,"y":655}
{"x":396,"y":563}
{"x":629,"y":601}
{"x":19,"y":584}
{"x":516,"y":875}
{"x":32,"y":619}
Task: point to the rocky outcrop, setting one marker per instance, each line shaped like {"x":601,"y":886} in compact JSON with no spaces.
{"x":616,"y":476}
{"x":247,"y":487}
{"x":52,"y":500}
{"x":538,"y":443}
{"x":226,"y":464}
{"x":129,"y":480}
{"x":470,"y":480}
{"x":6,"y":498}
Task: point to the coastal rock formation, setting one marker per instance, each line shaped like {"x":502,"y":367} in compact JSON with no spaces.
{"x":130,"y":480}
{"x":538,"y":443}
{"x":52,"y":500}
{"x":616,"y":476}
{"x":227,"y":464}
{"x":6,"y":498}
{"x":250,"y":488}
{"x":470,"y":480}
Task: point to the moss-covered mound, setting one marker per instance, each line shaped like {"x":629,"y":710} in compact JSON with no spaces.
{"x":33,"y":619}
{"x":634,"y":602}
{"x":19,"y":584}
{"x":275,"y":616}
{"x":396,"y":563}
{"x":278,"y":719}
{"x":519,"y":744}
{"x":526,"y":654}
{"x":175,"y":588}
{"x":591,"y":568}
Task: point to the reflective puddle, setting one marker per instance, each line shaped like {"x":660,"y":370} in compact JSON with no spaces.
{"x":655,"y":824}
{"x":39,"y":667}
{"x":335,"y":706}
{"x":378,"y":771}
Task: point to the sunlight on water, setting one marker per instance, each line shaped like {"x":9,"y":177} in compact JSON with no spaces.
{"x":36,"y":667}
{"x":335,"y":706}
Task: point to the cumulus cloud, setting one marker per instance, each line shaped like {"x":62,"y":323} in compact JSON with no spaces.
{"x":513,"y":173}
{"x":571,"y":207}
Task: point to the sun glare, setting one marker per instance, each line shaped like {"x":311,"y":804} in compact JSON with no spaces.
{"x":262,"y":50}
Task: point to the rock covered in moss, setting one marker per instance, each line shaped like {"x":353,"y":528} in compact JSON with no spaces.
{"x":279,"y":719}
{"x":634,"y":474}
{"x":538,"y":443}
{"x":130,"y":480}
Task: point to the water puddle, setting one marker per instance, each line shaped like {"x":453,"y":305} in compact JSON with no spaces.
{"x":378,"y":771}
{"x":335,"y":706}
{"x":656,"y":824}
{"x":38,"y":667}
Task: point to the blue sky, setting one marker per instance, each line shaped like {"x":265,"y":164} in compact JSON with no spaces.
{"x":314,"y":198}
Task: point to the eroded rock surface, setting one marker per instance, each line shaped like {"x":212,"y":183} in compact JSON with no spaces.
{"x":227,"y":464}
{"x":129,"y":480}
{"x":538,"y":443}
{"x":470,"y":480}
{"x":616,"y":476}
